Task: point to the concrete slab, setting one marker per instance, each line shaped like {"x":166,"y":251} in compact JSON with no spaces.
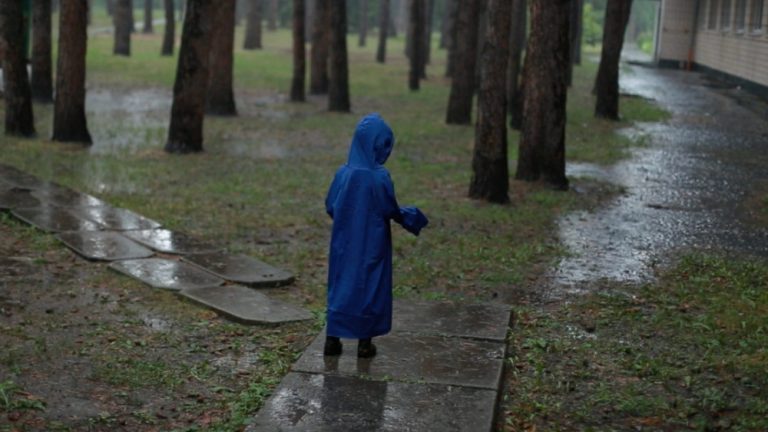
{"x":401,"y":357}
{"x":103,"y":245}
{"x":117,"y":219}
{"x":65,"y":197}
{"x":54,"y":219}
{"x":242,"y":269}
{"x":480,"y":321}
{"x":167,"y":241}
{"x":318,"y":403}
{"x":17,"y":198}
{"x":246,"y":305}
{"x":166,"y":274}
{"x":19,"y":178}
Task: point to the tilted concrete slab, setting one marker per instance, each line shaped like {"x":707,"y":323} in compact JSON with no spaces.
{"x":327,"y":403}
{"x":241,"y":269}
{"x":19,"y":178}
{"x":103,"y":245}
{"x":113,"y":218}
{"x":166,"y":274}
{"x":448,"y":318}
{"x":14,"y":197}
{"x":65,"y":197}
{"x":171,"y":242}
{"x":246,"y":305}
{"x":54,"y":219}
{"x":402,"y":357}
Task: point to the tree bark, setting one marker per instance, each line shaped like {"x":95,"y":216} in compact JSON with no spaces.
{"x":362,"y":26}
{"x":338,"y":77}
{"x":221,"y":97}
{"x":541,"y":153}
{"x":607,"y":82}
{"x":416,"y":36}
{"x":463,"y":83}
{"x":490,"y":172}
{"x":272,"y":18}
{"x":185,"y":133}
{"x":69,"y":122}
{"x":318,"y":80}
{"x":169,"y":35}
{"x":299,"y":56}
{"x":253,"y":26}
{"x":381,"y":51}
{"x":123,"y":22}
{"x":42,"y":67}
{"x":19,"y":119}
{"x":451,"y":18}
{"x":516,"y":48}
{"x":429,"y":11}
{"x":148,"y":17}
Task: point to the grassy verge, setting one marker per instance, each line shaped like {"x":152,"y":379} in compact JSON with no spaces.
{"x":686,"y":353}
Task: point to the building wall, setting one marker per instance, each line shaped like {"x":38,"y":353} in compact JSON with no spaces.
{"x":675,"y":30}
{"x":742,"y":53}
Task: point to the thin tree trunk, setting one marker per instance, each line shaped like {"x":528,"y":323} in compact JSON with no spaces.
{"x":607,"y":82}
{"x":490,"y":172}
{"x":42,"y":67}
{"x":221,"y":98}
{"x":429,"y":11}
{"x":123,"y":22}
{"x":272,"y":18}
{"x":185,"y":133}
{"x":381,"y":51}
{"x":148,"y":17}
{"x":541,"y":153}
{"x":69,"y":122}
{"x":516,"y":47}
{"x":363,"y":23}
{"x":463,"y":83}
{"x":299,"y":56}
{"x":19,"y":119}
{"x":253,"y":26}
{"x":169,"y":35}
{"x":451,"y":18}
{"x":416,"y":36}
{"x":318,"y":80}
{"x":338,"y":83}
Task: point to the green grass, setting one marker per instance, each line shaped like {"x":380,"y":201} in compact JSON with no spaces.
{"x":688,"y":352}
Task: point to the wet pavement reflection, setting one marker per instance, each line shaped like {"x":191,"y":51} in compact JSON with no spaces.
{"x":685,"y":189}
{"x":241,"y":269}
{"x":103,"y":245}
{"x":171,"y":242}
{"x":246,"y":305}
{"x":166,"y":274}
{"x":54,"y":219}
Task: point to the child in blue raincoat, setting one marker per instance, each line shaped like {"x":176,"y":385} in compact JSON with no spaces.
{"x":361,"y":201}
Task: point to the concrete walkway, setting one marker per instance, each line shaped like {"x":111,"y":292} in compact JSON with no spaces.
{"x":439,"y":370}
{"x":139,"y":248}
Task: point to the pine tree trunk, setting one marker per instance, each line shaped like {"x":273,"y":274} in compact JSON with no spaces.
{"x":272,"y":19}
{"x":490,"y":172}
{"x":516,"y":48}
{"x":69,"y":122}
{"x":299,"y":56}
{"x":221,"y":97}
{"x":381,"y":51}
{"x":541,"y":153}
{"x":169,"y":35}
{"x":148,"y":17}
{"x":19,"y":119}
{"x":338,"y":76}
{"x":185,"y":133}
{"x":321,"y":37}
{"x":416,"y":36}
{"x":123,"y":22}
{"x":362,"y":26}
{"x":451,"y":19}
{"x":607,"y":82}
{"x":42,"y":67}
{"x":465,"y":63}
{"x":253,"y":26}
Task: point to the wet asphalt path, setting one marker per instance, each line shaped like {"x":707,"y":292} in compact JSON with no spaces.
{"x":686,"y":188}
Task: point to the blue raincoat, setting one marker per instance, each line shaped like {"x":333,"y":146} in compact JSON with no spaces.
{"x":361,"y":202}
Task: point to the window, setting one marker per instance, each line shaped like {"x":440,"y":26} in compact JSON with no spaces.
{"x":740,"y":15}
{"x":712,"y":21}
{"x":725,"y":15}
{"x":756,"y":16}
{"x":701,"y":19}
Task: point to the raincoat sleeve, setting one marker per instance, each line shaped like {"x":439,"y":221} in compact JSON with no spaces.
{"x":410,"y":218}
{"x":330,"y":198}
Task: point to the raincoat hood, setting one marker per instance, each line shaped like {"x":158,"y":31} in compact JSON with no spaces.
{"x":372,"y":143}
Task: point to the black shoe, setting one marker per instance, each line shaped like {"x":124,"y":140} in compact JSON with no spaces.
{"x":333,"y":346}
{"x":366,"y":348}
